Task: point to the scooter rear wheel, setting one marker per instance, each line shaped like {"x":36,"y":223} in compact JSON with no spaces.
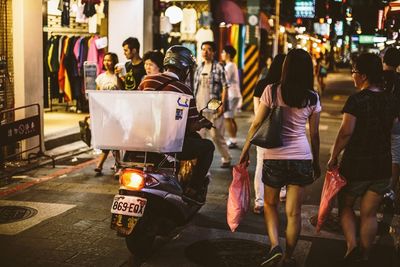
{"x":140,"y":241}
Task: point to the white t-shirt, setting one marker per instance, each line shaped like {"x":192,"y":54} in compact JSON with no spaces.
{"x":165,"y":24}
{"x":188,"y":24}
{"x":107,"y":81}
{"x":203,"y":35}
{"x":295,"y":143}
{"x":232,"y":77}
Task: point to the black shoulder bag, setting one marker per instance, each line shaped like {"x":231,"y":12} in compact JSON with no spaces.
{"x":268,"y":135}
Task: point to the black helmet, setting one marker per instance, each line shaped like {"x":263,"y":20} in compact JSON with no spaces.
{"x":179,"y":57}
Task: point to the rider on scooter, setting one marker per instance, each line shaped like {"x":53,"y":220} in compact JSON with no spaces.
{"x":179,"y":63}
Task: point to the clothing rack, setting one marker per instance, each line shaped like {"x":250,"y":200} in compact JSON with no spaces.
{"x":66,"y":31}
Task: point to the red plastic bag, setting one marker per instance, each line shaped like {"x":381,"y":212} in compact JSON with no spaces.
{"x":332,"y":185}
{"x":239,"y":196}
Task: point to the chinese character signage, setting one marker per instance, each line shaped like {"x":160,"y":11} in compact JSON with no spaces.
{"x":304,"y":9}
{"x":19,"y":130}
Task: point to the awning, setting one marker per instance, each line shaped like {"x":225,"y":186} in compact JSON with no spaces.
{"x":229,"y":11}
{"x":394,"y":7}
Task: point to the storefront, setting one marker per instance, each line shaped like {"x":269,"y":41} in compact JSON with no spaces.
{"x":32,"y":29}
{"x":73,"y":33}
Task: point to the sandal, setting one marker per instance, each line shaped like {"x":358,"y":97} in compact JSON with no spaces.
{"x":98,"y":170}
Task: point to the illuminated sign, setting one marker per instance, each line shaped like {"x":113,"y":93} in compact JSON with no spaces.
{"x":304,"y":9}
{"x":321,"y":28}
{"x":370,"y":39}
{"x":339,"y":28}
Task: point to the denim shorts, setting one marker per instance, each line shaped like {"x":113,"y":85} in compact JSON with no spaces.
{"x":359,"y":188}
{"x":277,"y":173}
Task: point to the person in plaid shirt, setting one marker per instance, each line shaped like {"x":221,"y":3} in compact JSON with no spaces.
{"x":210,"y":82}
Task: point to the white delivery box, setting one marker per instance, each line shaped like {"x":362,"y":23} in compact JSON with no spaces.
{"x":153,"y":121}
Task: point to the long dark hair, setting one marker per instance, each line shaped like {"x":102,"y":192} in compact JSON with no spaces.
{"x":275,"y":70}
{"x":297,"y":83}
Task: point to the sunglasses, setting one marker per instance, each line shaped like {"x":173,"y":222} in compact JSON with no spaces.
{"x":354,"y":71}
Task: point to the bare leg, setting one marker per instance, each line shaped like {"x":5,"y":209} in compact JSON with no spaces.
{"x":294,"y":199}
{"x":271,"y":217}
{"x":103,"y":157}
{"x":117,"y":157}
{"x":348,"y":220}
{"x":369,"y":224}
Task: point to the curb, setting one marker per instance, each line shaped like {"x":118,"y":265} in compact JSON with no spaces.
{"x":30,"y":166}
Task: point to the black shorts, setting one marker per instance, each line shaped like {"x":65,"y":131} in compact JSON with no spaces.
{"x":277,"y":173}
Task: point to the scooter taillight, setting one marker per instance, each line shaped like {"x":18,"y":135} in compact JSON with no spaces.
{"x":132,"y":179}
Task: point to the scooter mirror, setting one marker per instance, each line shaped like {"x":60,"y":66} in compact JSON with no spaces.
{"x":214,"y":104}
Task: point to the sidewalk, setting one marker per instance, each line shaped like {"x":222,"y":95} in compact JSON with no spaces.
{"x":61,"y":140}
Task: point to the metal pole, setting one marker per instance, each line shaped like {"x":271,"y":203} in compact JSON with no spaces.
{"x":276,"y":39}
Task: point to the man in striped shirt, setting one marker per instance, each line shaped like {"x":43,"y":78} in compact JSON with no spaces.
{"x":179,"y":62}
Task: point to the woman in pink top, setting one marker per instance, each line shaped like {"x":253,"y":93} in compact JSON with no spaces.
{"x":293,"y":165}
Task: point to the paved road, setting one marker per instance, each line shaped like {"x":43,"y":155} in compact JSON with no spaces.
{"x":71,"y":227}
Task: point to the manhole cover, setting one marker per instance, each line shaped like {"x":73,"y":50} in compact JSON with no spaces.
{"x":9,"y":214}
{"x":227,"y":252}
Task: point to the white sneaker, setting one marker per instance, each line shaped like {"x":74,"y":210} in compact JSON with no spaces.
{"x":282,"y":194}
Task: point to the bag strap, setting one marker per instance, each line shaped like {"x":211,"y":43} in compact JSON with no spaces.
{"x":165,"y":84}
{"x":274,"y":92}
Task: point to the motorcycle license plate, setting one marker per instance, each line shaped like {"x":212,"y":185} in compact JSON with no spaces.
{"x":128,"y":205}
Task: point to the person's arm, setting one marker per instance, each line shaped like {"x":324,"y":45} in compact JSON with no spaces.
{"x":224,"y":93}
{"x":315,"y":142}
{"x":256,"y":102}
{"x":345,"y":132}
{"x":262,"y":112}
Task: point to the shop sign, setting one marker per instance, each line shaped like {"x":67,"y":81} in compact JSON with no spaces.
{"x":253,"y":9}
{"x":304,"y":9}
{"x":371,"y":39}
{"x":19,"y":130}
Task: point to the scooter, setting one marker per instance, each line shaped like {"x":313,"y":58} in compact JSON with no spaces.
{"x":150,"y":202}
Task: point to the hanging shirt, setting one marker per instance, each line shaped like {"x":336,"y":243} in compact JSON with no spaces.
{"x":65,"y":13}
{"x":165,"y":25}
{"x":188,"y":24}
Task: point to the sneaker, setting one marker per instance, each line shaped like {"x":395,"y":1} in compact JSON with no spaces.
{"x":258,"y":209}
{"x":98,"y":171}
{"x":232,"y":145}
{"x":273,"y":257}
{"x":226,"y":165}
{"x":282,"y":194}
{"x":353,"y":257}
